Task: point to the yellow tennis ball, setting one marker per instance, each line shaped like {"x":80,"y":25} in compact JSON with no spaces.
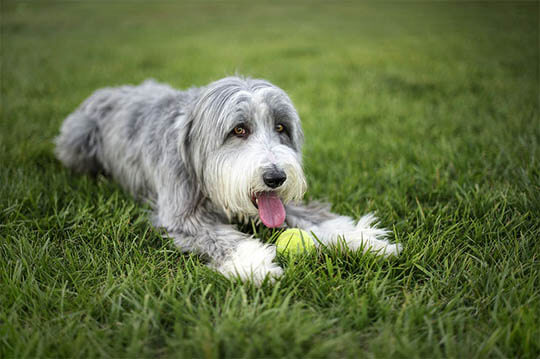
{"x":294,"y":241}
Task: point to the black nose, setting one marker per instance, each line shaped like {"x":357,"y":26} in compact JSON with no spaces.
{"x":274,"y":177}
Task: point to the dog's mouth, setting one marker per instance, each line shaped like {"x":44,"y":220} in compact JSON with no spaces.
{"x":271,"y":209}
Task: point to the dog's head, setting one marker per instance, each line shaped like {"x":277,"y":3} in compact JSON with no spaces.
{"x":243,"y":141}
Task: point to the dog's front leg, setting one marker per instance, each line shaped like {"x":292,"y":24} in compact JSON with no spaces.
{"x":330,"y":228}
{"x":229,"y":251}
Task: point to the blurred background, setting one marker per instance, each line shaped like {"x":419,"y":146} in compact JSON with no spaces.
{"x":398,"y":73}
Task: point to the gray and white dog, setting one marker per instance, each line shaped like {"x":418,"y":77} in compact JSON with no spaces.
{"x":206,"y":159}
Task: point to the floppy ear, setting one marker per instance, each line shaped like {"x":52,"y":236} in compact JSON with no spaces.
{"x":184,"y":185}
{"x":298,"y":133}
{"x":185,"y":143}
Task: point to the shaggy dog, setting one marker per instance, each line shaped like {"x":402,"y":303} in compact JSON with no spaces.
{"x":206,"y":159}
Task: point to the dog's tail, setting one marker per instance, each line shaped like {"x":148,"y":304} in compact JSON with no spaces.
{"x":79,"y":142}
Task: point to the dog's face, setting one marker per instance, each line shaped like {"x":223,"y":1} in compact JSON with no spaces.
{"x":245,"y":142}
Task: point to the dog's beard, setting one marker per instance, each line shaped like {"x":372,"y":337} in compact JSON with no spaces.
{"x":234,"y":182}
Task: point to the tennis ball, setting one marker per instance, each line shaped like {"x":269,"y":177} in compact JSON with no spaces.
{"x":294,"y":241}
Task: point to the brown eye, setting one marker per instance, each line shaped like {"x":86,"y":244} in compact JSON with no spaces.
{"x":280,"y":128}
{"x":240,"y":131}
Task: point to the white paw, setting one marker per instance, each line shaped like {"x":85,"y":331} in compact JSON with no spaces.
{"x":362,"y":235}
{"x":370,"y":244}
{"x":251,"y":261}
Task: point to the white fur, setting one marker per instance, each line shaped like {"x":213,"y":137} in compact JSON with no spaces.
{"x":364,"y":234}
{"x":234,"y":176}
{"x":251,"y":261}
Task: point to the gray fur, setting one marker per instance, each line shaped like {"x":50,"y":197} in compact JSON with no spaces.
{"x":152,"y":139}
{"x":174,"y":149}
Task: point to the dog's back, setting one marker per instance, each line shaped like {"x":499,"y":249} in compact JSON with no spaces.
{"x":104,"y":133}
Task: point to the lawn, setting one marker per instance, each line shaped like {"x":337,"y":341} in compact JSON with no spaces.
{"x":424,"y":113}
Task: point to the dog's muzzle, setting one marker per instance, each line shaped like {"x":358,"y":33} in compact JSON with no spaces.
{"x":270,"y":207}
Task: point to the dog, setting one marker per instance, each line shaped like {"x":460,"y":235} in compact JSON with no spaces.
{"x":208,"y":159}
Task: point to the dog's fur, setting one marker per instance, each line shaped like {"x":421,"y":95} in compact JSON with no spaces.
{"x":178,"y":150}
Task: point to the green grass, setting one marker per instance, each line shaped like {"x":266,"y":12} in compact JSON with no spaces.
{"x":425,"y":113}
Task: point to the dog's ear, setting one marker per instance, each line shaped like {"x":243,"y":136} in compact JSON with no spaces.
{"x":184,"y":143}
{"x":298,"y":134}
{"x":191,"y":184}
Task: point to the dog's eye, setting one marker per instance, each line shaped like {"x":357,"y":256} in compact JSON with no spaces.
{"x":280,"y":128}
{"x":240,"y":131}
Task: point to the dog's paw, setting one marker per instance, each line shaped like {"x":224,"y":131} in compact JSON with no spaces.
{"x":377,"y":246}
{"x":369,"y":238}
{"x":362,"y":235}
{"x":251,"y":261}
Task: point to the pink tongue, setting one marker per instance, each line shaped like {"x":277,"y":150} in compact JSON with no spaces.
{"x":271,"y":210}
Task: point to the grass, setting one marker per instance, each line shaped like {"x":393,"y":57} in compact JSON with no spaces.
{"x":425,"y":113}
